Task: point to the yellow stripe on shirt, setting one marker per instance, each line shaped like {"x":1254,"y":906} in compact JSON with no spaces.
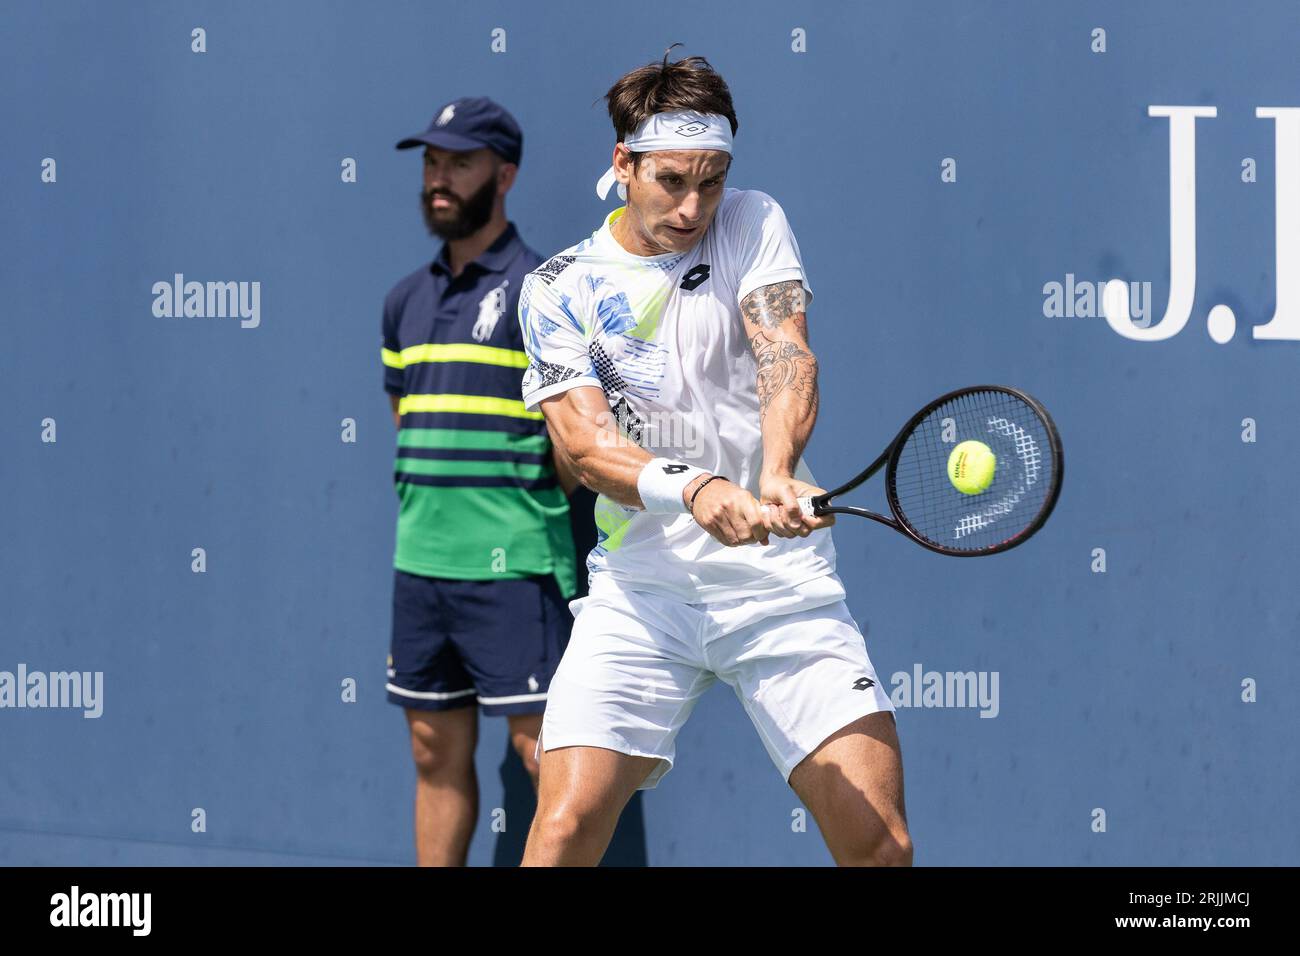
{"x":469,"y":404}
{"x":455,"y":352}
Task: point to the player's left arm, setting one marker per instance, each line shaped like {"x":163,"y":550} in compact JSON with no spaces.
{"x":777,"y":326}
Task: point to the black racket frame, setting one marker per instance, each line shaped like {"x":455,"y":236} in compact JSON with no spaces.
{"x":889,"y":460}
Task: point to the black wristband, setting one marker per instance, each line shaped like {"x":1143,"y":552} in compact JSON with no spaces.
{"x":690,"y":505}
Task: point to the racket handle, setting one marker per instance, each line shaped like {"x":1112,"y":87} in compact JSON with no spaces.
{"x":805,"y":505}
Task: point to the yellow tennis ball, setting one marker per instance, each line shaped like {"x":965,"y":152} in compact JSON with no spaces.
{"x":971,"y":466}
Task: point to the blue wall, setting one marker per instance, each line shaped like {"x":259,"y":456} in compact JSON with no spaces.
{"x":1119,"y":690}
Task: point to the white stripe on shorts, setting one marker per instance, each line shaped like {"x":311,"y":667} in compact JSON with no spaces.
{"x":428,"y":694}
{"x":517,"y":699}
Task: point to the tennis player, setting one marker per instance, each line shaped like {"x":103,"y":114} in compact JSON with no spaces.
{"x":669,"y":354}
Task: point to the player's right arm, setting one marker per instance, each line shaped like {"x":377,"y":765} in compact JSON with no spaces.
{"x":582,"y":428}
{"x":582,"y":424}
{"x":562,"y":383}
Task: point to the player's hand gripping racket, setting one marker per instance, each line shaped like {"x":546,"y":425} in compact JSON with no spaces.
{"x":975,"y":472}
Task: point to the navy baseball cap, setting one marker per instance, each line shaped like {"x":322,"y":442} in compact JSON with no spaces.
{"x":472,"y":122}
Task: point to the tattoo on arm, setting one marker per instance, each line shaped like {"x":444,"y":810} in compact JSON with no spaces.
{"x":783,"y":365}
{"x":770,"y":306}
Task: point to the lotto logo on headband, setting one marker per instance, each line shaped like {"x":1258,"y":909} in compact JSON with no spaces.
{"x":704,"y":130}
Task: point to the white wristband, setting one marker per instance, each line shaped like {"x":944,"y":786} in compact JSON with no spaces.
{"x":661,"y":483}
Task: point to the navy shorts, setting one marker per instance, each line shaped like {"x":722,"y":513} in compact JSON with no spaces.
{"x":460,"y":643}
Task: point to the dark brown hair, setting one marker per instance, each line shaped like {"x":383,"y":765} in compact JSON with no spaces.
{"x":688,"y":84}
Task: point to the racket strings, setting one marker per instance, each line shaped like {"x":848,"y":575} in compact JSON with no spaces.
{"x":931,"y":506}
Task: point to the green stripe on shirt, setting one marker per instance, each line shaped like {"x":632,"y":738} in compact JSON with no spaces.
{"x":483,"y":533}
{"x":472,"y":439}
{"x":478,"y":469}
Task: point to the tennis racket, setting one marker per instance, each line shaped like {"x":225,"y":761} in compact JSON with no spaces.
{"x":924,"y":503}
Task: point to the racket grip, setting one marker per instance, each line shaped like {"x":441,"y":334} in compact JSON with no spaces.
{"x":805,"y":505}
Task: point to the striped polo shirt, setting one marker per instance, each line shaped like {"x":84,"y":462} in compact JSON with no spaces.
{"x":479,"y":497}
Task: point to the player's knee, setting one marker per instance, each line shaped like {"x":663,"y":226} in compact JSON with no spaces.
{"x":568,"y":825}
{"x":888,"y":848}
{"x":883,"y":847}
{"x":894,"y":850}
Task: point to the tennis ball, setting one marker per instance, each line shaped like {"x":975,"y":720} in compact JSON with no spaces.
{"x":971,"y":466}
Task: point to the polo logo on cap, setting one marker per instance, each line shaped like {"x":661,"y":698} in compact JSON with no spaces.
{"x":691,"y":129}
{"x":445,"y":116}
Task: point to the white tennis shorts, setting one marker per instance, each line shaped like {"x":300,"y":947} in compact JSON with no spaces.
{"x":638,"y":661}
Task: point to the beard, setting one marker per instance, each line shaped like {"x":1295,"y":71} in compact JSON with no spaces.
{"x":470,"y":214}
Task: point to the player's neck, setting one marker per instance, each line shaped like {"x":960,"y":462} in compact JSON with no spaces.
{"x":630,"y":239}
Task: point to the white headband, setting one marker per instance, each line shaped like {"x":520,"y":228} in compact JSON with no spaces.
{"x":683,"y":129}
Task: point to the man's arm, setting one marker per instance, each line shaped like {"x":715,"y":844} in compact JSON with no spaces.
{"x":397,"y":416}
{"x":777,"y":327}
{"x":564,"y":469}
{"x":584,"y":433}
{"x":583,"y":429}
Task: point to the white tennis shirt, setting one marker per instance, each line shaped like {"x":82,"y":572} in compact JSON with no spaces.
{"x":664,"y":338}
